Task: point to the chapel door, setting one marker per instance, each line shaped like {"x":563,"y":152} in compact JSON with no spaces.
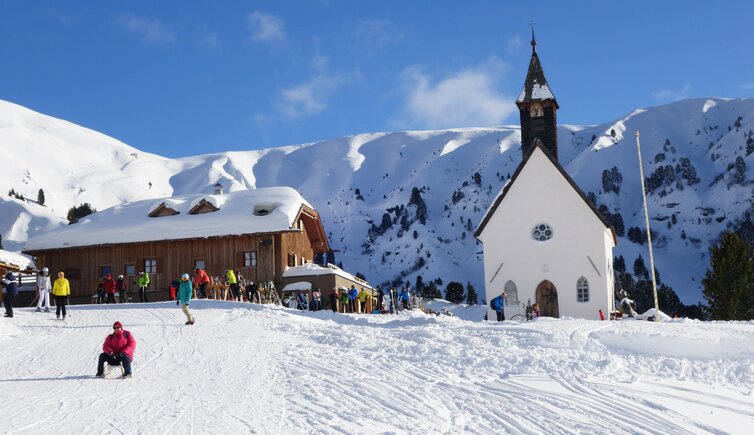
{"x":547,"y":298}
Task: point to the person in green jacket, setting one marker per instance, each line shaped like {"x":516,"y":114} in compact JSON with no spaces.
{"x":344,"y":300}
{"x":230,"y":279}
{"x":142,"y":282}
{"x":185,"y":290}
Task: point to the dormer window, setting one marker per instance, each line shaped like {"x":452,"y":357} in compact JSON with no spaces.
{"x":163,"y":210}
{"x":202,"y":207}
{"x":536,"y":111}
{"x":264,"y":209}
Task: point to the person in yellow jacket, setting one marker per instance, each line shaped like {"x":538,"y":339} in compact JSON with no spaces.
{"x":230,"y":279}
{"x":363,"y":296}
{"x":61,"y":290}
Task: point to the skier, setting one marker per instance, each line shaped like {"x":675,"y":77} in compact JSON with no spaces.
{"x":142,"y":283}
{"x":352,"y":295}
{"x":201,"y":279}
{"x":109,"y":285}
{"x":252,"y":292}
{"x":61,"y":290}
{"x":627,"y":306}
{"x":101,"y":291}
{"x":11,"y":289}
{"x":498,"y":304}
{"x":118,"y":349}
{"x":44,"y":287}
{"x":404,"y":298}
{"x":344,"y":300}
{"x":363,"y":296}
{"x":122,"y":288}
{"x":380,"y":297}
{"x":185,"y":290}
{"x":232,"y":282}
{"x":316,"y":304}
{"x":334,"y":300}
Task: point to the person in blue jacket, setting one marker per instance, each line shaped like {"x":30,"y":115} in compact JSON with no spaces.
{"x":11,"y":290}
{"x":498,"y":304}
{"x":352,"y":295}
{"x":185,"y":290}
{"x":404,"y":297}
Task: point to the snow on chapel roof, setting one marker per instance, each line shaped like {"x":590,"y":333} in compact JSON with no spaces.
{"x":271,"y":209}
{"x":535,"y":86}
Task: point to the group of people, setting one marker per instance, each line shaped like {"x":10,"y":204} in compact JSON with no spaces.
{"x":109,"y":287}
{"x":60,"y":289}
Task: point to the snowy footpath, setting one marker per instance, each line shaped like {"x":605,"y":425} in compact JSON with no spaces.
{"x":245,"y":368}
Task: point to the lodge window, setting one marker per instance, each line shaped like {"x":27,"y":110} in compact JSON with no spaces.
{"x":150,"y":265}
{"x":130,"y":270}
{"x":71,"y":273}
{"x":582,"y":290}
{"x":291,"y":260}
{"x":106,"y":270}
{"x":200,"y":264}
{"x":250,"y":259}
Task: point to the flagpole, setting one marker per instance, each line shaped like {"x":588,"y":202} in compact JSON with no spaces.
{"x":649,"y":231}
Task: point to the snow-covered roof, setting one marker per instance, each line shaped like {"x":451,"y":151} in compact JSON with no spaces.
{"x":22,"y":262}
{"x":535,"y":86}
{"x":297,"y":286}
{"x":311,"y":269}
{"x":271,"y":209}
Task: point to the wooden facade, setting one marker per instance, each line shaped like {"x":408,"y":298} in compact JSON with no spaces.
{"x":257,"y":257}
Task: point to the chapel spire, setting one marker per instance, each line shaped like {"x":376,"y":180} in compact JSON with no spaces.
{"x":537,"y":106}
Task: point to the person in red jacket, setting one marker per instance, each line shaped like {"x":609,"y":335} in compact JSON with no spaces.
{"x":118,"y":349}
{"x":201,"y":279}
{"x":109,"y":285}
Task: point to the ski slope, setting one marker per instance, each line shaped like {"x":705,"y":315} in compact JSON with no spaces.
{"x":246,"y":368}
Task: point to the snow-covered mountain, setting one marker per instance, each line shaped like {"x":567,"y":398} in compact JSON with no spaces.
{"x":402,"y":204}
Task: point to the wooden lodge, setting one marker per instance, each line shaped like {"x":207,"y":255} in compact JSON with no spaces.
{"x":257,"y":233}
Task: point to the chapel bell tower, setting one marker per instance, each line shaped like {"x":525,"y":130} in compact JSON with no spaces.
{"x":538,"y":107}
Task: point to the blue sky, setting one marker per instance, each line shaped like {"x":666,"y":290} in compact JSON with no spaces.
{"x":181,"y":78}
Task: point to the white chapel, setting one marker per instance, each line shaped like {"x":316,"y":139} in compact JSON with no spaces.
{"x":543,"y":240}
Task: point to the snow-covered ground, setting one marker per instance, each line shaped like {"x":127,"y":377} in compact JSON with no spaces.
{"x":249,"y":368}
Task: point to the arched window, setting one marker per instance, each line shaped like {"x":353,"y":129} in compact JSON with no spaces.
{"x":582,"y":290}
{"x":512,"y":291}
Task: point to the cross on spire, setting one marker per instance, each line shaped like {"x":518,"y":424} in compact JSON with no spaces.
{"x":533,"y":41}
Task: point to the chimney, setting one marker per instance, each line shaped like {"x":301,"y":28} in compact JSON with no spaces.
{"x":218,"y":189}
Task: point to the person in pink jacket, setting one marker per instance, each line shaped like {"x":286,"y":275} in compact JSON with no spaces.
{"x":117,"y":349}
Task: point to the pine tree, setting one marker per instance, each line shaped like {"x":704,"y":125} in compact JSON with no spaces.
{"x":454,"y":292}
{"x":431,"y":291}
{"x":1,"y":241}
{"x":471,"y":296}
{"x":41,"y":197}
{"x":640,"y":270}
{"x":729,"y":281}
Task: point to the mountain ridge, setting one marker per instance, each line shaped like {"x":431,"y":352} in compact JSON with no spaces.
{"x":402,"y":204}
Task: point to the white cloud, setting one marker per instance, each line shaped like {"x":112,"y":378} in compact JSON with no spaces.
{"x":266,"y":28}
{"x":514,"y":44}
{"x":378,"y":33}
{"x":672,"y":95}
{"x":151,"y":30}
{"x":311,"y":97}
{"x":464,"y":99}
{"x":210,"y":40}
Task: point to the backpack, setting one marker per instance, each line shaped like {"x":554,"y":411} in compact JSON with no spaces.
{"x":492,"y":302}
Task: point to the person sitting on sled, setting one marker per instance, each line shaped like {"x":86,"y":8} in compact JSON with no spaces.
{"x":118,"y":349}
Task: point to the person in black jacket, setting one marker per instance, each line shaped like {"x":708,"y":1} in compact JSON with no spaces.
{"x":11,"y":290}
